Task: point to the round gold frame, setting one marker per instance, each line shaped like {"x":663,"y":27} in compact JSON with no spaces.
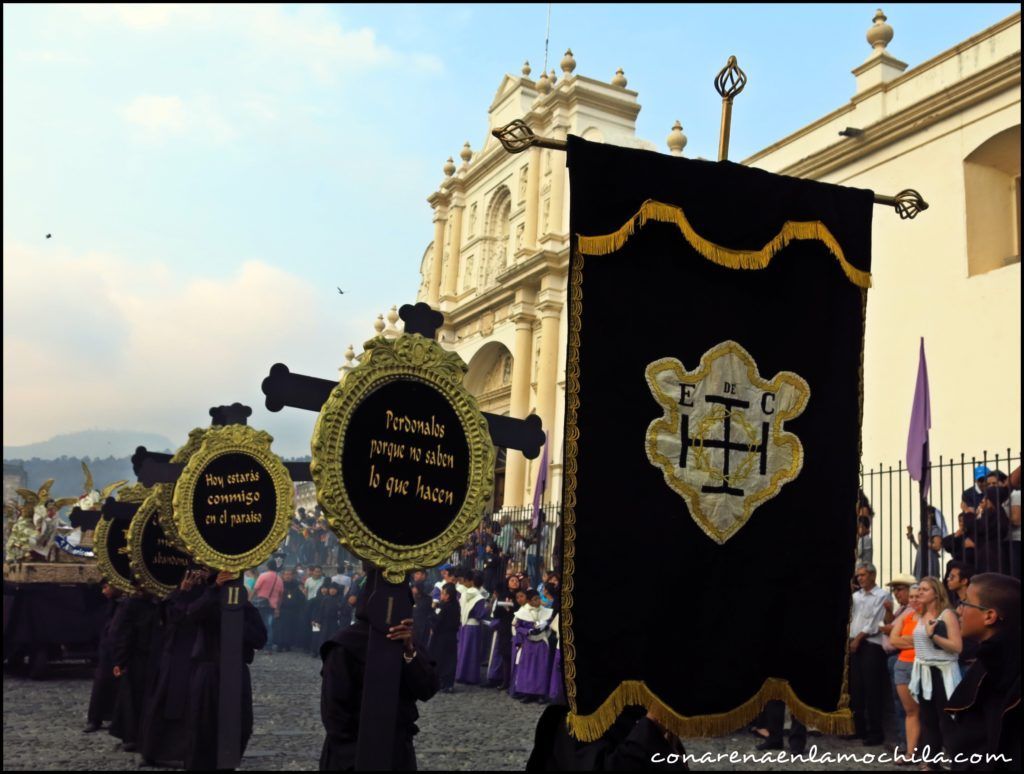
{"x":150,"y":508}
{"x":130,"y":494}
{"x":218,"y":441}
{"x":410,"y":356}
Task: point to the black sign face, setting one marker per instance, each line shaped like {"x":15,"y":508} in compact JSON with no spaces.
{"x":165,"y":563}
{"x":405,"y":464}
{"x":117,"y":547}
{"x":234,"y":504}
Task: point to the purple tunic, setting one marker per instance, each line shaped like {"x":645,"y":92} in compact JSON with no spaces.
{"x":496,"y":660}
{"x":467,"y":669}
{"x":532,"y":670}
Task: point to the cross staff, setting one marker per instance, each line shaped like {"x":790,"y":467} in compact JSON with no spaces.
{"x":155,"y":468}
{"x":388,"y":603}
{"x":283,"y":388}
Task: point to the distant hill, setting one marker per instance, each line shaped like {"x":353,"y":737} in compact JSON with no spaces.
{"x":89,"y":443}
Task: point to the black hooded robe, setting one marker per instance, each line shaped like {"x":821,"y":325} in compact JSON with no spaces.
{"x":132,"y":635}
{"x":341,"y":696}
{"x":163,"y":736}
{"x":288,"y":628}
{"x":444,"y":645}
{"x":104,"y":686}
{"x":204,"y":685}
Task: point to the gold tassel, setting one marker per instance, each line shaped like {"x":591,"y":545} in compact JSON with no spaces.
{"x":723,"y":256}
{"x":589,"y":728}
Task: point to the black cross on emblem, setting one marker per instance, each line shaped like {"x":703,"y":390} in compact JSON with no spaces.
{"x":727,"y":444}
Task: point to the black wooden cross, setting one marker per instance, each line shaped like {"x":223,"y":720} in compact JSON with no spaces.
{"x":283,"y":388}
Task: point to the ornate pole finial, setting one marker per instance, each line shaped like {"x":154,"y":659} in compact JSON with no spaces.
{"x":728,"y":84}
{"x":378,"y":324}
{"x":676,"y":139}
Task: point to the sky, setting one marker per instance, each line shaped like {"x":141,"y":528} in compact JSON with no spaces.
{"x":211,"y":174}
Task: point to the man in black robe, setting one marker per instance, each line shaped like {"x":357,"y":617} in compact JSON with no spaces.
{"x":131,"y":635}
{"x":292,"y":619}
{"x":163,"y":737}
{"x":341,"y":695}
{"x":204,"y":685}
{"x":101,"y":701}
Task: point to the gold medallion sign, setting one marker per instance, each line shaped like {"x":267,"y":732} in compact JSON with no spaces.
{"x":157,"y":564}
{"x":233,"y":501}
{"x":110,"y":543}
{"x":402,"y":457}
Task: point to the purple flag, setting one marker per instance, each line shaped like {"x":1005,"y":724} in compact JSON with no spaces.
{"x":920,"y":424}
{"x":542,"y":481}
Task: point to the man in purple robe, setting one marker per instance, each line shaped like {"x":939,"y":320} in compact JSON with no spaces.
{"x":473,"y":606}
{"x":533,"y":623}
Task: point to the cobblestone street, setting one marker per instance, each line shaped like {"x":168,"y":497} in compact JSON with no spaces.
{"x":43,"y":722}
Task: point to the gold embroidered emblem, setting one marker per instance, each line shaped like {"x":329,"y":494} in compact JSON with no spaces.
{"x":720,"y":443}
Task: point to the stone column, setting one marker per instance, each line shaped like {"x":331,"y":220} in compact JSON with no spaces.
{"x":515,"y":462}
{"x":558,"y":177}
{"x":532,"y":199}
{"x":434,"y":285}
{"x":451,"y":274}
{"x":547,"y":373}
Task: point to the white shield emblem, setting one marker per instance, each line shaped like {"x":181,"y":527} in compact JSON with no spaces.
{"x":721,"y":443}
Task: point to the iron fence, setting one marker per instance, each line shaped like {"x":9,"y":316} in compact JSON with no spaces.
{"x":512,"y":530}
{"x":895,"y":499}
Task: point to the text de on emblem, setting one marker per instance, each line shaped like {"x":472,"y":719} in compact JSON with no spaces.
{"x":720,"y":443}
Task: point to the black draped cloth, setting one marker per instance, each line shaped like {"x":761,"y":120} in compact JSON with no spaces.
{"x":713,"y":424}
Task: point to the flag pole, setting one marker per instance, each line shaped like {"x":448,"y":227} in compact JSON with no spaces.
{"x":925,"y":547}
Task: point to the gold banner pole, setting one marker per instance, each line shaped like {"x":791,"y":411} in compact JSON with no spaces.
{"x":728,"y":84}
{"x":517,"y":136}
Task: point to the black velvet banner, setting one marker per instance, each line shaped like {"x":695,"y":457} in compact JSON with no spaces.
{"x":715,"y":344}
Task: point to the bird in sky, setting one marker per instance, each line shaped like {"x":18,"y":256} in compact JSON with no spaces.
{"x":340,"y":291}
{"x":49,"y":235}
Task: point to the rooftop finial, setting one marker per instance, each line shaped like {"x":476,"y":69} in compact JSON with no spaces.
{"x":527,"y":69}
{"x":879,"y":34}
{"x":449,"y":167}
{"x":466,"y":153}
{"x":543,"y":83}
{"x":619,"y":79}
{"x":568,"y":62}
{"x":378,"y":324}
{"x":676,"y":139}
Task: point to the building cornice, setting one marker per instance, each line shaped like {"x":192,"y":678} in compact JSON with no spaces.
{"x":895,"y":83}
{"x":528,"y":272}
{"x":957,"y":98}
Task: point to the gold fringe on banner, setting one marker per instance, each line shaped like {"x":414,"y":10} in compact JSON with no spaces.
{"x":723,"y":256}
{"x":589,"y":728}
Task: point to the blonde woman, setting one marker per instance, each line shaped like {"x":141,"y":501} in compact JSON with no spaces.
{"x":935,"y":674}
{"x":901,"y":636}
